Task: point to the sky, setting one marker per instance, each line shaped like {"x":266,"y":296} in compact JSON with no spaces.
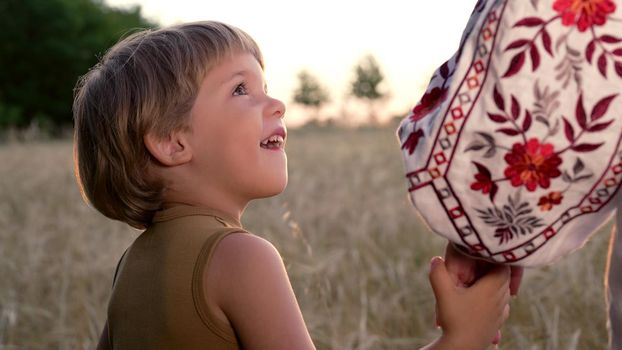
{"x":409,"y":39}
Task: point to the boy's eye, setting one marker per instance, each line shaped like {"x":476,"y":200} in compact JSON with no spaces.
{"x":240,"y":90}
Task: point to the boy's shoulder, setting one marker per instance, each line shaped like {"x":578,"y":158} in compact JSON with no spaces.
{"x":255,"y":294}
{"x":243,"y":248}
{"x":243,"y":260}
{"x":241,"y":266}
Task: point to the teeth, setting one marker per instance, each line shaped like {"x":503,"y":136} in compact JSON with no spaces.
{"x":273,"y":138}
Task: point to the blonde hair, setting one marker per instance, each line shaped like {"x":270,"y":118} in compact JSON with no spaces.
{"x":147,"y":82}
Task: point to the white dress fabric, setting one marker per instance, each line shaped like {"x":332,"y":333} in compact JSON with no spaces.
{"x":514,"y":152}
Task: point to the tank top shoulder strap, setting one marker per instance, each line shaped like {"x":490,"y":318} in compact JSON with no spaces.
{"x":119,"y":265}
{"x":198,"y":292}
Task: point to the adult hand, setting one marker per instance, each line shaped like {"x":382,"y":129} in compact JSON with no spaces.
{"x":466,"y":270}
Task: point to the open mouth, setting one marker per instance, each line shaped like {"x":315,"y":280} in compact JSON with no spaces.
{"x":273,"y":142}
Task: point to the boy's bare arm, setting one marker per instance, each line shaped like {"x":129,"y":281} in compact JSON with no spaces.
{"x":256,"y":296}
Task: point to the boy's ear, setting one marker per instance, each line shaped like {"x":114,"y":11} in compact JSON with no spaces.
{"x":171,"y":150}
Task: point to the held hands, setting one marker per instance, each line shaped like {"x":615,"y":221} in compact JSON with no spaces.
{"x":470,"y":317}
{"x":465,"y":271}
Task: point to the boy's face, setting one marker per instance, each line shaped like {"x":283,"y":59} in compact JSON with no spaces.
{"x":238,"y":135}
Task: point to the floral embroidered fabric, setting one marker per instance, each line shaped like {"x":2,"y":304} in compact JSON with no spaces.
{"x":513,"y":153}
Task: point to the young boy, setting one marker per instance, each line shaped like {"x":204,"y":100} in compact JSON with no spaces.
{"x":175,"y":134}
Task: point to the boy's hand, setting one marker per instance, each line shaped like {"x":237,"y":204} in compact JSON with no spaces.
{"x":465,"y":271}
{"x":470,"y":317}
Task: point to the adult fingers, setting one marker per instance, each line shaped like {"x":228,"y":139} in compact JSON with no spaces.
{"x":461,"y":267}
{"x":516,"y":276}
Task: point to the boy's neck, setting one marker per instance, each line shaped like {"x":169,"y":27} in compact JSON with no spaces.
{"x":232,"y":210}
{"x":184,"y":187}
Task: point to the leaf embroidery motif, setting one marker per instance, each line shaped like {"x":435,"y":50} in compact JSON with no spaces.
{"x":512,"y":221}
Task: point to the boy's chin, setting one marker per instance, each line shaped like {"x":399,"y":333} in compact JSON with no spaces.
{"x":274,"y":189}
{"x":279,"y":188}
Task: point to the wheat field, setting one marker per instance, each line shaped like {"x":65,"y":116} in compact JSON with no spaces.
{"x":356,"y":253}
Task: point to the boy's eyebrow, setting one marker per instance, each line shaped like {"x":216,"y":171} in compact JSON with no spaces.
{"x":243,"y":73}
{"x":240,"y":72}
{"x":234,"y":75}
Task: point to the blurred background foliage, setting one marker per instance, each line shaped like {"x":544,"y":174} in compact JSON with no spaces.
{"x":45,"y":45}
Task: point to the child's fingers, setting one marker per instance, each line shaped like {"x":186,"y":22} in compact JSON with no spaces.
{"x":502,"y":274}
{"x":503,"y":295}
{"x":506,"y":312}
{"x":439,"y":278}
{"x":437,"y":320}
{"x":498,"y":277}
{"x":502,"y":302}
{"x":504,"y":317}
{"x":500,"y":321}
{"x":497,"y":338}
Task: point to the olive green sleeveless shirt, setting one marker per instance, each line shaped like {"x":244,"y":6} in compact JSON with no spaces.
{"x":158,"y":300}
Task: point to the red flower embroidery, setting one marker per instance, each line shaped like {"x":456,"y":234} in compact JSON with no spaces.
{"x":547,"y":202}
{"x":483,"y":181}
{"x":412,"y":141}
{"x":429,"y":101}
{"x":585,"y":13}
{"x":532,"y":164}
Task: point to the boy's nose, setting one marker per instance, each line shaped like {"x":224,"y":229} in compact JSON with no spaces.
{"x":277,"y":108}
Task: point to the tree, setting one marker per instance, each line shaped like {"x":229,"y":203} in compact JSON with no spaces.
{"x":45,"y":45}
{"x":367,"y":80}
{"x":310,"y":93}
